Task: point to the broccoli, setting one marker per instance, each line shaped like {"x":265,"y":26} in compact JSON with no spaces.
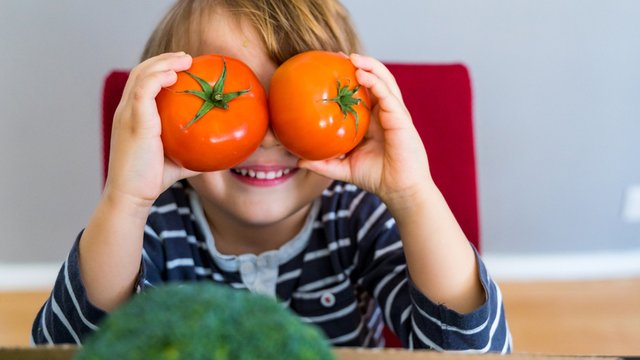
{"x":204,"y":321}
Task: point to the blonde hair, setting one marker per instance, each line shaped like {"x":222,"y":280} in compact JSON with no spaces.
{"x":287,"y":27}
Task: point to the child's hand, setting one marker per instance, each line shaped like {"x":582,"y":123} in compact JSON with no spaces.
{"x":138,"y":169}
{"x":391,"y":161}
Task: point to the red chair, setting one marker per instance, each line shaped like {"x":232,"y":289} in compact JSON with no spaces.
{"x":440,"y":101}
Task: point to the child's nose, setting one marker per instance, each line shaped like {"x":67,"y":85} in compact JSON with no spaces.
{"x":270,"y":140}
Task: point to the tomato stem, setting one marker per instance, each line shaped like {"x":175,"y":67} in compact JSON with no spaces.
{"x":346,"y":101}
{"x":214,"y":97}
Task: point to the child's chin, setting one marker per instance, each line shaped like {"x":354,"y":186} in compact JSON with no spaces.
{"x":266,"y":218}
{"x":271,"y":212}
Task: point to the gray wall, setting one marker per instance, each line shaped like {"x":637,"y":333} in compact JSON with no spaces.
{"x":556,"y":87}
{"x":557,"y":110}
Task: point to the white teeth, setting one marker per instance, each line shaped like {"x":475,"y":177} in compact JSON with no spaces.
{"x":262,"y":175}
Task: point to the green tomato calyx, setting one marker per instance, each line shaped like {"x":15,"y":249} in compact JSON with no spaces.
{"x":214,"y":97}
{"x":346,"y":101}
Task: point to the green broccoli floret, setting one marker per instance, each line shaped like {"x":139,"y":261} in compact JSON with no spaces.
{"x":204,"y":321}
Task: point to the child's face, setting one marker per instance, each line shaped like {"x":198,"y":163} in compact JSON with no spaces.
{"x":277,"y":189}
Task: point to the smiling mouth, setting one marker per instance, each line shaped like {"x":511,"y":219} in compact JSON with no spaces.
{"x":263,"y":175}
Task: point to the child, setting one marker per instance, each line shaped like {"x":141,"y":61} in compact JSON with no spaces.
{"x":345,"y":243}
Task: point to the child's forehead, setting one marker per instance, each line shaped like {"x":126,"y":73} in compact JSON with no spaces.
{"x":227,"y":34}
{"x":232,"y":36}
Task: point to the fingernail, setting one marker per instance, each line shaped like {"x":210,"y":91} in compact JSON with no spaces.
{"x":355,"y":57}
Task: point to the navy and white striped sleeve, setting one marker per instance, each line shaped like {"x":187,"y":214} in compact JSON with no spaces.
{"x":68,"y":316}
{"x":414,"y":318}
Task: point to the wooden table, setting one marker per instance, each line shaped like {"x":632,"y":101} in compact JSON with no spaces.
{"x":67,"y":352}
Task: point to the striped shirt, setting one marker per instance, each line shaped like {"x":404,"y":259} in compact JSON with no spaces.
{"x":345,"y":272}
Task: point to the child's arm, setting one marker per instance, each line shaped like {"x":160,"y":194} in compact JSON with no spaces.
{"x":111,"y":245}
{"x":392,"y":163}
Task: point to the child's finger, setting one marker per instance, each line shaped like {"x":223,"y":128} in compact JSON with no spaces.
{"x":387,"y":102}
{"x":145,"y":90}
{"x":146,"y":81}
{"x":162,"y":63}
{"x":337,"y":169}
{"x":376,"y":67}
{"x":175,"y":61}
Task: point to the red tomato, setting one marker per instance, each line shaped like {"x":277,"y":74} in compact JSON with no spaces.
{"x":214,"y":116}
{"x":318,"y":110}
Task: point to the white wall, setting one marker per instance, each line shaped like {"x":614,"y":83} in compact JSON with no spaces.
{"x":556,"y":87}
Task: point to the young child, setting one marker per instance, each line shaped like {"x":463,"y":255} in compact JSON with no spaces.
{"x":347,"y":244}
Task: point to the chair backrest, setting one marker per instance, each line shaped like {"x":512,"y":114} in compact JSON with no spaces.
{"x":440,"y":101}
